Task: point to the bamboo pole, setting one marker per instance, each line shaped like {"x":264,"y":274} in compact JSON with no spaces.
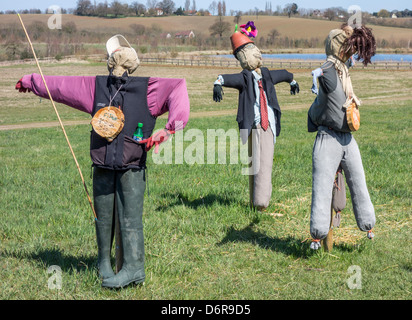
{"x":58,"y":117}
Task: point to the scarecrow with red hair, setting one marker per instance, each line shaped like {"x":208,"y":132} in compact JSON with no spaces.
{"x":258,"y":113}
{"x":334,"y":115}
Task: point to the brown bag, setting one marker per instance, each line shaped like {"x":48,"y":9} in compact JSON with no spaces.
{"x":108,"y":122}
{"x":353,"y":116}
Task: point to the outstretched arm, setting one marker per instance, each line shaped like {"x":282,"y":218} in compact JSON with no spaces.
{"x":227,"y":80}
{"x":281,"y":76}
{"x":164,"y":95}
{"x":169,"y":95}
{"x":284,"y":76}
{"x":75,"y":91}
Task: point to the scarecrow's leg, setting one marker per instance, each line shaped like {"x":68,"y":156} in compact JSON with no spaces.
{"x":103,"y":193}
{"x":130,"y":190}
{"x":249,"y":142}
{"x":118,"y":243}
{"x":355,"y":178}
{"x":326,"y":156}
{"x":260,"y":183}
{"x":327,"y":243}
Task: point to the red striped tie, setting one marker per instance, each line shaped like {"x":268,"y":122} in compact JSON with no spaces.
{"x":263,"y":108}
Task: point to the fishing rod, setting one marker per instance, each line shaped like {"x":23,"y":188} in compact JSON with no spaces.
{"x":58,"y":117}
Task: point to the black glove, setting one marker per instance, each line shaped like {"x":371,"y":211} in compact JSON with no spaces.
{"x":217,"y":93}
{"x":294,"y":87}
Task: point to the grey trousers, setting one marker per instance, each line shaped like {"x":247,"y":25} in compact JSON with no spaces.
{"x":261,"y":149}
{"x":332,"y":148}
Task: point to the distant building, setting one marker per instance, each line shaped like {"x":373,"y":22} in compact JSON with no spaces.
{"x":159,"y":12}
{"x":185,"y":34}
{"x":166,"y":35}
{"x":394,"y":16}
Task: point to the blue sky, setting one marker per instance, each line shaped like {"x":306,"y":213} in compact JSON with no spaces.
{"x":365,"y":5}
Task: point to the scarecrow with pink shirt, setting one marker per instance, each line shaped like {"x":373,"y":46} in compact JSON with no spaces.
{"x":119,"y":160}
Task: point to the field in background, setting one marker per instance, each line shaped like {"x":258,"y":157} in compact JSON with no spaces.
{"x":288,"y":28}
{"x":202,"y":241}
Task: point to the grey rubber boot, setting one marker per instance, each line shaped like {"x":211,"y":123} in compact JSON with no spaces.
{"x":104,"y":245}
{"x":103,"y":194}
{"x":130,"y":187}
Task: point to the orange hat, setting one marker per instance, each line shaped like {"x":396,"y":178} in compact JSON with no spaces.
{"x":238,"y":40}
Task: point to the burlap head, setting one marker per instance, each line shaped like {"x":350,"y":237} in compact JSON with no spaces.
{"x":335,"y":40}
{"x":121,"y":60}
{"x":250,"y":57}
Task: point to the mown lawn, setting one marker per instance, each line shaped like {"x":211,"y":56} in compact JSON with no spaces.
{"x":202,"y":241}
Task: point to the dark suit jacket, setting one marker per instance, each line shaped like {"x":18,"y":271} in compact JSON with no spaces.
{"x":245,"y":84}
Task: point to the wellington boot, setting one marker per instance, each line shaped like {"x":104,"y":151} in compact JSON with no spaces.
{"x":104,"y":244}
{"x":129,"y":199}
{"x":104,"y":197}
{"x":133,"y":260}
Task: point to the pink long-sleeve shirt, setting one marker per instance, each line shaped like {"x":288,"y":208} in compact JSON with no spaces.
{"x":163,"y":94}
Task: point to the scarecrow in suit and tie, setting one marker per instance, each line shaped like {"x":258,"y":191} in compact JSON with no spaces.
{"x":258,"y":113}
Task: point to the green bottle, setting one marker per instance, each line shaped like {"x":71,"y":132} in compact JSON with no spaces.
{"x":138,"y":134}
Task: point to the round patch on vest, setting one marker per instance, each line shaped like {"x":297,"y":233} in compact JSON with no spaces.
{"x":108,"y":122}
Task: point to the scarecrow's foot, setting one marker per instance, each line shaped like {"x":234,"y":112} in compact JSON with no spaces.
{"x":315,"y":245}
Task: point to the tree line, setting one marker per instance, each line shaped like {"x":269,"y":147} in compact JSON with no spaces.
{"x":117,"y":8}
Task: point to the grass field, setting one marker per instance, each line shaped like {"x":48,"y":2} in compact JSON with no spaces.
{"x":201,"y":239}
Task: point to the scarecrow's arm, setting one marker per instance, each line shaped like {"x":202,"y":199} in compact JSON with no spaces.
{"x":75,"y":91}
{"x":284,"y":76}
{"x":231,"y":80}
{"x":235,"y":81}
{"x":281,"y":76}
{"x":329,"y":79}
{"x":327,"y":76}
{"x":167,"y":95}
{"x":315,"y":75}
{"x":171,"y":95}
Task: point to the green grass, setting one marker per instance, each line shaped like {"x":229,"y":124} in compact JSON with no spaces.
{"x":201,"y":239}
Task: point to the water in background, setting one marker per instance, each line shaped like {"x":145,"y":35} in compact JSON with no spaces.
{"x":322,"y":56}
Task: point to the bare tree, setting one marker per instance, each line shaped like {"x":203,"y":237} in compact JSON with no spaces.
{"x":273,"y":34}
{"x":330,"y":14}
{"x":213,"y":7}
{"x":138,"y":29}
{"x":187,"y":5}
{"x":138,"y":8}
{"x":151,"y":4}
{"x":291,"y":8}
{"x":238,"y":15}
{"x":118,"y":8}
{"x":168,"y":6}
{"x":84,"y":8}
{"x":102,"y":9}
{"x":219,"y":27}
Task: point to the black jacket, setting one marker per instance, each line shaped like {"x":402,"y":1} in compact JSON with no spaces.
{"x":244,"y":82}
